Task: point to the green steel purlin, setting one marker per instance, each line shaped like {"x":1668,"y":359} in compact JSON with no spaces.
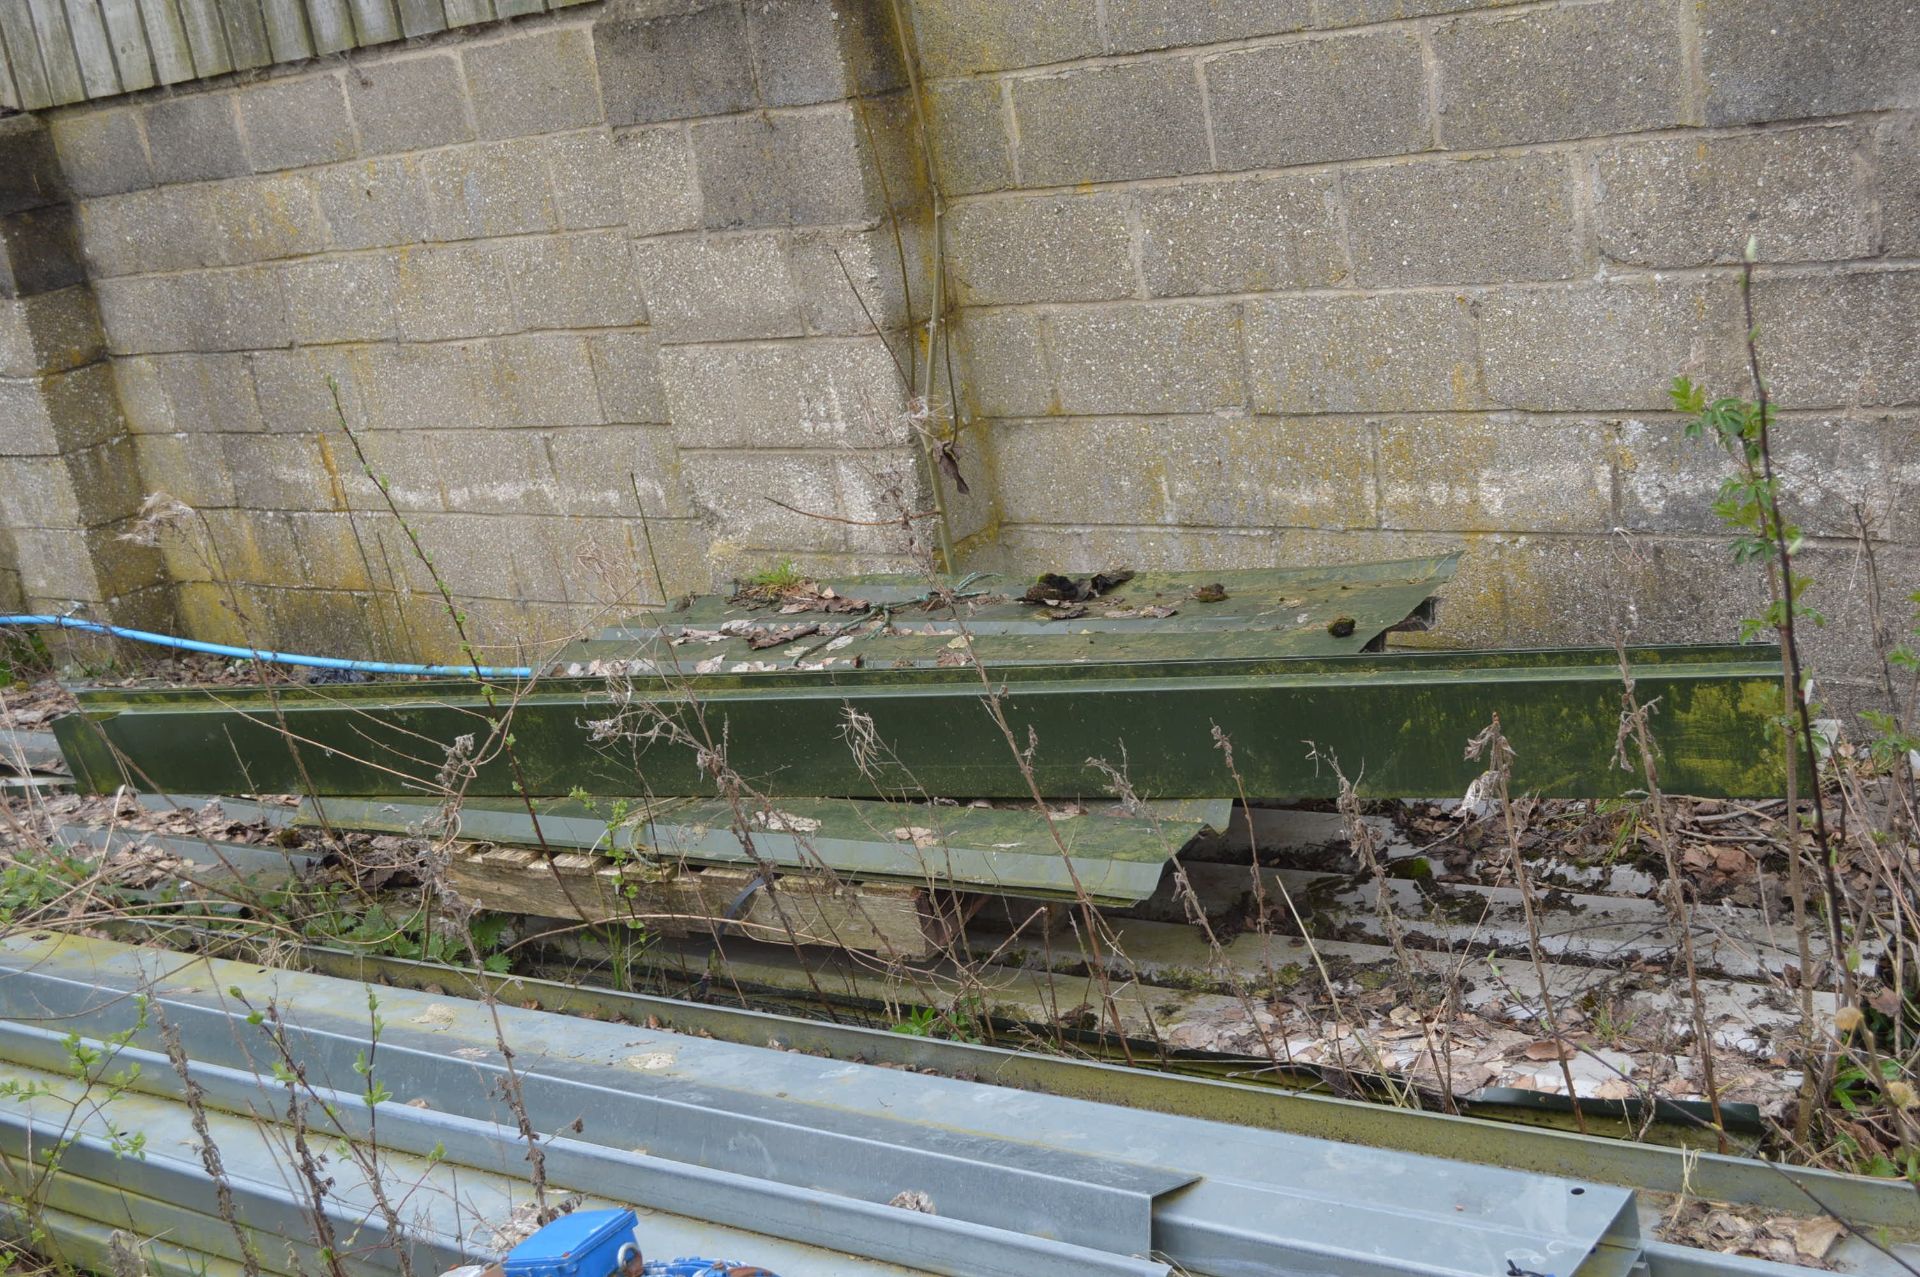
{"x":1397,"y":723}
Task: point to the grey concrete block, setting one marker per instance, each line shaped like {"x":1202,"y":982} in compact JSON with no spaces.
{"x":1495,"y":473}
{"x":493,"y":472}
{"x":1309,"y":103}
{"x":1840,"y":339}
{"x":38,"y":492}
{"x":373,"y":203}
{"x":278,"y":472}
{"x":968,"y":122}
{"x":807,"y":51}
{"x":586,"y":173}
{"x":1685,"y":203}
{"x":1788,"y":60}
{"x":573,"y":281}
{"x":1395,"y":352}
{"x":38,"y":251}
{"x":333,"y":299}
{"x":259,"y":219}
{"x":784,"y":169}
{"x":822,"y":393}
{"x":533,"y":82}
{"x":1257,"y":235}
{"x":547,"y":380}
{"x":194,"y":137}
{"x":461,"y":291}
{"x":965,"y":37}
{"x":442,"y":386}
{"x":188,"y":467}
{"x":718,"y":289}
{"x":1897,"y":156}
{"x":294,"y":123}
{"x":1826,"y":466}
{"x":54,"y":565}
{"x":167,"y":228}
{"x":409,"y":104}
{"x":1186,"y":472}
{"x":1040,"y":248}
{"x":200,"y":310}
{"x":107,"y":484}
{"x":1005,"y":369}
{"x":1607,"y":346}
{"x":488,"y":189}
{"x":1582,"y":71}
{"x":1111,"y":123}
{"x":50,"y":332}
{"x":1354,"y":13}
{"x":210,"y":393}
{"x":79,"y":406}
{"x":849,"y":281}
{"x":1167,"y":357}
{"x":730,"y":490}
{"x":295,"y":389}
{"x":674,"y":67}
{"x":596,"y":471}
{"x":658,"y":179}
{"x":626,"y":369}
{"x":101,"y":151}
{"x":142,"y":394}
{"x":1462,"y":221}
{"x":1133,"y":25}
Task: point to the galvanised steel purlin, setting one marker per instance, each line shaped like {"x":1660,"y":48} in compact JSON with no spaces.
{"x":1395,"y":723}
{"x":1280,"y":1202}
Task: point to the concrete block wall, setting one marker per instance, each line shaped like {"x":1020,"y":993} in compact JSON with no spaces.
{"x":1231,"y":282}
{"x":1247,"y":282}
{"x":69,"y":480}
{"x":560,"y":273}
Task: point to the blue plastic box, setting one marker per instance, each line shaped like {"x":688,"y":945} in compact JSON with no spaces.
{"x":587,"y":1243}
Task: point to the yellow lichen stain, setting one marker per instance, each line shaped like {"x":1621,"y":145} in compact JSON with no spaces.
{"x":334,"y":482}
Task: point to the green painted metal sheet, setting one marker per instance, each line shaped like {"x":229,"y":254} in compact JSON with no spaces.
{"x":1328,"y":611}
{"x":1397,"y":723}
{"x":1115,"y":856}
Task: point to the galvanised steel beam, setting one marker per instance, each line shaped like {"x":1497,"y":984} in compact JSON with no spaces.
{"x":1396,"y":723}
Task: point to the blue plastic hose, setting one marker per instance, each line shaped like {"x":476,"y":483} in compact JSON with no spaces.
{"x":257,"y":654}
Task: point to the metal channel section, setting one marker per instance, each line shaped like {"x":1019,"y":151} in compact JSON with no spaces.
{"x":1210,"y":1197}
{"x":1396,"y":722}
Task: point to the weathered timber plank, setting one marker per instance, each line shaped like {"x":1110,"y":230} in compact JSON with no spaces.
{"x":246,"y":33}
{"x":9,"y":94}
{"x":517,"y":8}
{"x":374,"y":21}
{"x":64,"y":80}
{"x":206,"y":37}
{"x":286,"y":22}
{"x":871,"y":918}
{"x":92,"y":48}
{"x":167,"y":41}
{"x":422,"y":17}
{"x":127,"y":40}
{"x":331,"y":24}
{"x":465,"y":13}
{"x":23,"y":58}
